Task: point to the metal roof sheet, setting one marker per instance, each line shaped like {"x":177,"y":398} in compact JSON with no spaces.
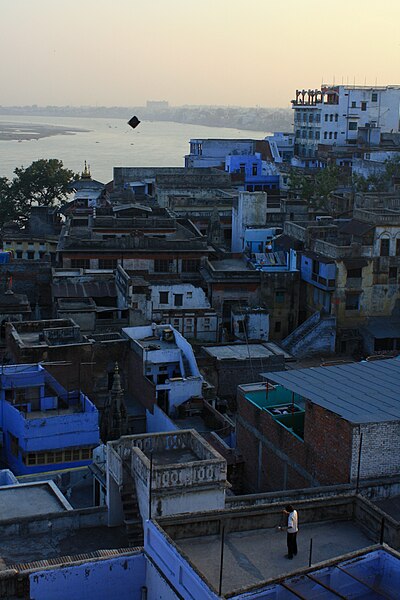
{"x":365,"y":392}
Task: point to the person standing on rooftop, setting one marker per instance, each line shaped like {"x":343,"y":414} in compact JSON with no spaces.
{"x":292,"y":528}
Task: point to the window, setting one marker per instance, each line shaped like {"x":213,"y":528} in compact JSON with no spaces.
{"x":354,"y":273}
{"x":352,"y":301}
{"x":363,"y":106}
{"x":80,"y":263}
{"x":336,"y":118}
{"x":317,"y":134}
{"x":326,"y":118}
{"x":190,"y":265}
{"x":189,"y":294}
{"x":331,"y":118}
{"x":107,"y":263}
{"x":57,"y":456}
{"x":30,"y":255}
{"x":325,"y":135}
{"x":279,"y":297}
{"x":304,"y":133}
{"x":277,"y":326}
{"x":164,"y":297}
{"x":393,"y":273}
{"x":311,"y":118}
{"x":162,"y":265}
{"x":353,"y":104}
{"x":178,"y":299}
{"x":242,"y":168}
{"x":19,"y":254}
{"x":335,"y":135}
{"x":310,"y":134}
{"x":330,"y":135}
{"x":254,"y":169}
{"x":353,"y":126}
{"x":385,"y":242}
{"x":374,"y":97}
{"x":398,"y":247}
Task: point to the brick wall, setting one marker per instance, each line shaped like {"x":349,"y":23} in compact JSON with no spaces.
{"x":380,"y":451}
{"x":276,"y":459}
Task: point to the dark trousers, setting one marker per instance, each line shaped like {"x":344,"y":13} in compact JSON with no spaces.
{"x":292,"y":544}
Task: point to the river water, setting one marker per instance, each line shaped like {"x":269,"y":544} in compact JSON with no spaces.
{"x":109,"y":143}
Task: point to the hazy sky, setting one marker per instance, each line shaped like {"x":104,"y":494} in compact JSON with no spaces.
{"x":247,"y":52}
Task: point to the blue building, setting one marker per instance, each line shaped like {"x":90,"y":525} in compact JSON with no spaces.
{"x":259,"y":175}
{"x":43,"y":426}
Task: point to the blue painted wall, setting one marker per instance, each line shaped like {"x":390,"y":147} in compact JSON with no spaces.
{"x":37,"y":429}
{"x":325,"y":270}
{"x":120,"y":578}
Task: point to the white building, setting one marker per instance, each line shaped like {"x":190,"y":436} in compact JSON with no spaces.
{"x":163,"y":357}
{"x":334,"y":114}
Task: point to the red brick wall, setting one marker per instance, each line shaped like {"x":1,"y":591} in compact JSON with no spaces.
{"x":287,"y":462}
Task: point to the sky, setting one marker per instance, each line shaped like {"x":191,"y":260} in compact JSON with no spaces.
{"x":220,"y":52}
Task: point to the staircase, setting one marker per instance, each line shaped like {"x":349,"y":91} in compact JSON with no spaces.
{"x":132,"y":519}
{"x":316,"y":335}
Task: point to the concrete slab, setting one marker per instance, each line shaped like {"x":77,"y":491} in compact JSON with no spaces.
{"x":251,"y":557}
{"x":173,"y":457}
{"x":22,"y":550}
{"x":28,"y":500}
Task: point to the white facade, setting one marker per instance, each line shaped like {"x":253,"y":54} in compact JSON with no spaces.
{"x":251,"y":324}
{"x":168,"y":362}
{"x":249,"y":211}
{"x":213,"y":152}
{"x":333,"y":115}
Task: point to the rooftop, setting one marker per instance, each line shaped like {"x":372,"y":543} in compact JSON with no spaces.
{"x":31,"y":499}
{"x":256,"y":555}
{"x":56,"y":544}
{"x":245,"y":351}
{"x":364,"y":392}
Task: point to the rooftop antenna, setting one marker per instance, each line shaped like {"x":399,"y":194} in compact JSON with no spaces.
{"x":365,"y":81}
{"x":354,"y":81}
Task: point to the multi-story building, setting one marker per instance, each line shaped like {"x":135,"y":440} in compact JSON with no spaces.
{"x":162,"y":368}
{"x":44,"y":427}
{"x":333,"y":115}
{"x":154,"y":242}
{"x":350,"y":270}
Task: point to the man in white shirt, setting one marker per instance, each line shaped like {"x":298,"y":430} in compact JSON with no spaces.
{"x":292,"y":528}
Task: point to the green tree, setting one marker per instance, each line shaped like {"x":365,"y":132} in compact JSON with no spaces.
{"x":8,"y":207}
{"x":43,"y":183}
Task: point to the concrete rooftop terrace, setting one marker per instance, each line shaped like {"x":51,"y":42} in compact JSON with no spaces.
{"x":17,"y":550}
{"x":243,"y":351}
{"x":31,"y":499}
{"x":251,"y":557}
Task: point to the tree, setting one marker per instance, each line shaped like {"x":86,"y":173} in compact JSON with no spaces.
{"x":315,"y":186}
{"x":44,"y":182}
{"x":8,"y":208}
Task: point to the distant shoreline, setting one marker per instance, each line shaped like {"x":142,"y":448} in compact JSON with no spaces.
{"x":251,"y":119}
{"x":19,"y":132}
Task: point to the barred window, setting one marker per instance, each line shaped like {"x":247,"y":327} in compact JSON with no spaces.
{"x":190,"y":265}
{"x":57,"y":456}
{"x":162,"y":265}
{"x":108,"y":263}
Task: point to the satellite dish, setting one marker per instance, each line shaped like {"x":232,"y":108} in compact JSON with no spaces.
{"x":134,"y":122}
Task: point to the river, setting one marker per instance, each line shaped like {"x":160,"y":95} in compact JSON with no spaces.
{"x":108,"y":143}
